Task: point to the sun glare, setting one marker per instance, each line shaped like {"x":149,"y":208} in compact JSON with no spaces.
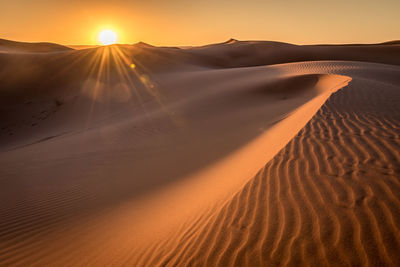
{"x":107,"y":37}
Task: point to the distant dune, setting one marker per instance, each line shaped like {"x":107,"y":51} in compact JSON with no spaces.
{"x":14,"y":46}
{"x":242,"y":153}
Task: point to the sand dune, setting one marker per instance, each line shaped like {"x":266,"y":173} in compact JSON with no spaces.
{"x":15,"y":47}
{"x":213,"y":156}
{"x":329,"y":197}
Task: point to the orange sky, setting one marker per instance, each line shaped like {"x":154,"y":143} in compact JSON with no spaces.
{"x":179,"y":22}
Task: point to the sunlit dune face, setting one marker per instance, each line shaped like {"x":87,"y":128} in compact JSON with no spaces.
{"x":107,"y":37}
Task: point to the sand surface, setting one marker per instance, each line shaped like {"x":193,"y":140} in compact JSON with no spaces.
{"x":231,"y":154}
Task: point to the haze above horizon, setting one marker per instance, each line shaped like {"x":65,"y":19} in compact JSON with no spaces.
{"x":178,"y":22}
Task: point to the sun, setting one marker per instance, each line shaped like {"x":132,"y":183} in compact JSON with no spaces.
{"x":107,"y":37}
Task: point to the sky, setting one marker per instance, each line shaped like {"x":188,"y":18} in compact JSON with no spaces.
{"x":186,"y":22}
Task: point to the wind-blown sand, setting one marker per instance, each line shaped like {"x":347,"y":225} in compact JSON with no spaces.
{"x":232,"y":154}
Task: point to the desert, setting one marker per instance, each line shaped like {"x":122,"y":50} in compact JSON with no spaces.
{"x":240,"y":153}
